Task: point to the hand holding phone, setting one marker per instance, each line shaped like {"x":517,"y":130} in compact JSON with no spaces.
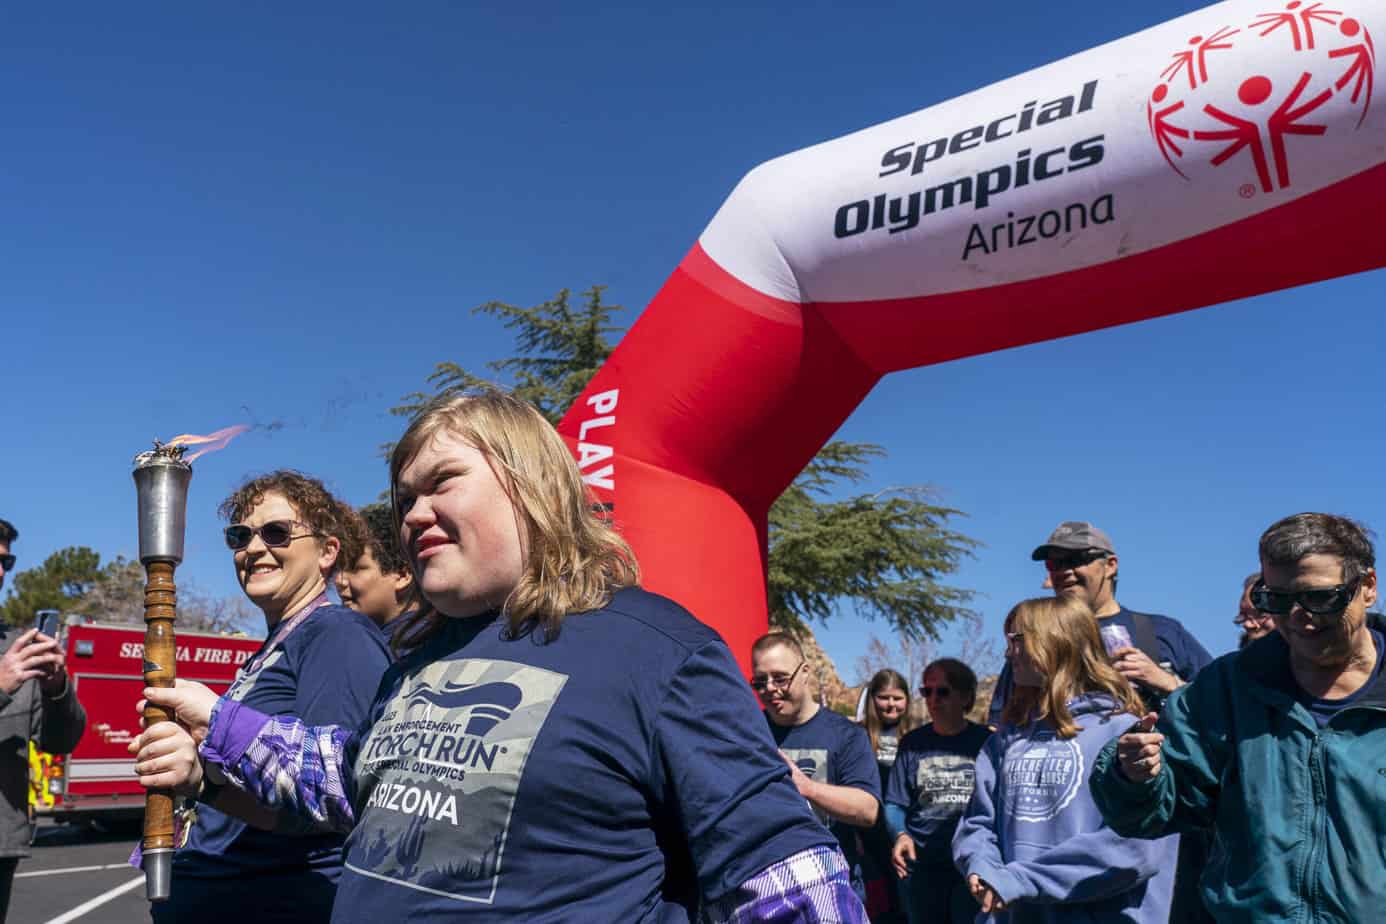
{"x":30,"y":657}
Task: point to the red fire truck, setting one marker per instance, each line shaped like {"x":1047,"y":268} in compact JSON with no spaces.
{"x":106,"y":663}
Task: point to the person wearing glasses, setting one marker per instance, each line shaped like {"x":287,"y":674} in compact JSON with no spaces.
{"x":38,"y":703}
{"x":321,"y":663}
{"x":1279,"y":748}
{"x":928,"y":788}
{"x":1156,"y":653}
{"x":1031,"y":844}
{"x":1253,"y":623}
{"x":558,"y":745}
{"x":829,"y":757}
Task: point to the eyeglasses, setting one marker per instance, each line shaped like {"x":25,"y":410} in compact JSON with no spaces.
{"x":1057,"y":563}
{"x":1255,"y":616}
{"x":1320,"y":601}
{"x":776,"y":681}
{"x":942,"y":692}
{"x":276,"y":534}
{"x":7,"y":562}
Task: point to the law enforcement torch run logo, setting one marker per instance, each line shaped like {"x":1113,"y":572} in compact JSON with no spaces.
{"x":1212,"y":111}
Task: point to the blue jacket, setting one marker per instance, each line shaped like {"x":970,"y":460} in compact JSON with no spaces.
{"x":1033,"y":833}
{"x":1299,"y":811}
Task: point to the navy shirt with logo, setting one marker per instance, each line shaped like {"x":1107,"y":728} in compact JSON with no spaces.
{"x":932,"y":781}
{"x":887,"y":744}
{"x":831,"y":749}
{"x":326,"y":672}
{"x":612,"y":773}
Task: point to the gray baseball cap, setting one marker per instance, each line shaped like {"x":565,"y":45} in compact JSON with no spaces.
{"x":1074,"y":536}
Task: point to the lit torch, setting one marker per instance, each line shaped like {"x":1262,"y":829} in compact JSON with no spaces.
{"x":162,"y":476}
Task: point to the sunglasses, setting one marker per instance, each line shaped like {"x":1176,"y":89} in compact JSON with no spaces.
{"x":7,"y":562}
{"x":942,"y":692}
{"x":776,"y":681}
{"x":276,"y":534}
{"x":1320,"y":601}
{"x":1059,"y":563}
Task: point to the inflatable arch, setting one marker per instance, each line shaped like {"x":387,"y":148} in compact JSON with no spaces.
{"x":1230,"y":152}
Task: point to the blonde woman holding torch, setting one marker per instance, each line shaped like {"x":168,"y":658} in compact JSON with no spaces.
{"x":559,"y":745}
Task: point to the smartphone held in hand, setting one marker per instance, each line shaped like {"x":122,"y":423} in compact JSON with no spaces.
{"x":47,"y":622}
{"x":1115,"y":638}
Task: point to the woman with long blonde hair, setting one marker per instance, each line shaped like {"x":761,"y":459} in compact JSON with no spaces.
{"x":1032,"y":844}
{"x":887,"y":716}
{"x":557,"y":744}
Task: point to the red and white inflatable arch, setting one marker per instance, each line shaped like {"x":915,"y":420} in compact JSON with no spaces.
{"x":1234,"y":151}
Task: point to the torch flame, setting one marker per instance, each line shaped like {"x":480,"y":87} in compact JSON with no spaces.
{"x":209,"y":443}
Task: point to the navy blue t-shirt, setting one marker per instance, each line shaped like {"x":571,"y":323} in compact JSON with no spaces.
{"x":831,"y":749}
{"x":887,"y":744}
{"x":1180,"y":653}
{"x":391,"y":628}
{"x":932,"y":781}
{"x":612,"y":773}
{"x":1323,"y":710}
{"x":325,"y":672}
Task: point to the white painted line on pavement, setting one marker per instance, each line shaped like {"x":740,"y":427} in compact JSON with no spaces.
{"x":72,"y":869}
{"x":98,"y":901}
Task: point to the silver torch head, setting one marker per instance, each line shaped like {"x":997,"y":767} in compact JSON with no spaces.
{"x":161,"y":488}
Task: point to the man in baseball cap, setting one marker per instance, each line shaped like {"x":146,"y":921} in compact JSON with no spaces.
{"x":1074,"y":536}
{"x":1156,"y":653}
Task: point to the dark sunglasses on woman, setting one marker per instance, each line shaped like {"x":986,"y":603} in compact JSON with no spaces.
{"x":942,"y":692}
{"x":276,"y":534}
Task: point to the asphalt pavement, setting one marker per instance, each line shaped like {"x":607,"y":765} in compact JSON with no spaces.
{"x":77,"y":875}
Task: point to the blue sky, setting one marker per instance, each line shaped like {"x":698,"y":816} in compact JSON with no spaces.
{"x":281,"y":215}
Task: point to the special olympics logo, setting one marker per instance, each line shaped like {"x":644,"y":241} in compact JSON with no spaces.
{"x":1208,"y":110}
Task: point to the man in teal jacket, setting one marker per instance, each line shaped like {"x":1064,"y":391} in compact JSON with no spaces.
{"x":1280,"y":748}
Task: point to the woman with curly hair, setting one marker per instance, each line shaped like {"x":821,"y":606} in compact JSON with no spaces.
{"x":320,"y":663}
{"x":1032,"y":843}
{"x":558,"y":744}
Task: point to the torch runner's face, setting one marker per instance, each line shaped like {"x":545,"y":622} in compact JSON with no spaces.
{"x":460,"y":528}
{"x":280,"y":580}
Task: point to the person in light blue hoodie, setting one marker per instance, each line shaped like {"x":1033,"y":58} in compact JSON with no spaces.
{"x":1032,"y":844}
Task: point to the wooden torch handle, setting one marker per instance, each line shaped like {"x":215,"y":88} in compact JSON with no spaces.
{"x":160,"y":607}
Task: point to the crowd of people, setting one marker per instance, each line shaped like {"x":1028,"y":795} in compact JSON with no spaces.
{"x":500,"y":724}
{"x":1123,"y":775}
